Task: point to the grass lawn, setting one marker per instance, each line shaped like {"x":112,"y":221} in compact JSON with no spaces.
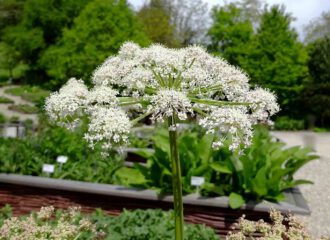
{"x":5,"y":100}
{"x":24,"y":108}
{"x":29,"y":93}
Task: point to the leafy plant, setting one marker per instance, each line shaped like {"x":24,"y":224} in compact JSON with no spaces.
{"x":264,"y":171}
{"x":286,"y":123}
{"x":281,"y":227}
{"x":3,"y":118}
{"x":151,"y":224}
{"x":5,"y":213}
{"x":13,"y":119}
{"x":48,"y":224}
{"x":195,"y":153}
{"x":5,"y":100}
{"x":27,"y":155}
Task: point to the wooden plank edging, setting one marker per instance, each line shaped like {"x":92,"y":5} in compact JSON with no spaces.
{"x":296,"y":203}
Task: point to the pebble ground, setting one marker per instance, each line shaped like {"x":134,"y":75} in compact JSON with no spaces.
{"x":318,"y":171}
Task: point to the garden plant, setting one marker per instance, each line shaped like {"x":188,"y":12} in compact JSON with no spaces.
{"x":166,"y":85}
{"x":264,"y":170}
{"x":71,"y":224}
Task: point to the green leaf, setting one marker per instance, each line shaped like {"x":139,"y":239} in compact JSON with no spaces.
{"x":237,"y":163}
{"x":235,"y":200}
{"x":220,"y":168}
{"x":130,"y":176}
{"x":260,"y":182}
{"x":204,"y":148}
{"x":145,"y":153}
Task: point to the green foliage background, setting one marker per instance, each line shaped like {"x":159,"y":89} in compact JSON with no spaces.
{"x":46,"y":42}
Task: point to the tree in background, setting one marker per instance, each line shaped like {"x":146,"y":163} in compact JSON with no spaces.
{"x":98,"y":31}
{"x":8,"y":58}
{"x":10,"y":12}
{"x":276,"y":59}
{"x":188,"y":19}
{"x":230,"y":33}
{"x":251,"y":10}
{"x":157,"y":24}
{"x":317,"y":93}
{"x":41,"y":25}
{"x":318,"y":28}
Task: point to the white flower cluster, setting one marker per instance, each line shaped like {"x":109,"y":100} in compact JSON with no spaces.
{"x":166,"y":82}
{"x":228,"y":122}
{"x":189,"y":69}
{"x":102,"y":95}
{"x":168,"y":102}
{"x":65,"y":105}
{"x":48,"y":224}
{"x":110,"y":126}
{"x":263,"y":104}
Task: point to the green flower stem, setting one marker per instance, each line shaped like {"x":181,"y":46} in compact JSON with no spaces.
{"x":129,"y":103}
{"x":176,"y":176}
{"x":218,"y":103}
{"x":200,"y":111}
{"x":136,"y":120}
{"x":126,"y":99}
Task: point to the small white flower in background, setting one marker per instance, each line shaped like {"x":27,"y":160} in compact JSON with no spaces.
{"x":163,"y":83}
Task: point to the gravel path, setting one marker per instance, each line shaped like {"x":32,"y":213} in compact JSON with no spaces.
{"x":18,"y":100}
{"x":318,"y":194}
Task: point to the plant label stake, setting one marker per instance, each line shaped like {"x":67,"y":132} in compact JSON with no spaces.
{"x":48,"y":169}
{"x":61,"y":160}
{"x":197,"y":181}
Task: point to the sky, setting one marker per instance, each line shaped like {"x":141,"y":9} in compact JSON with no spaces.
{"x":303,"y":10}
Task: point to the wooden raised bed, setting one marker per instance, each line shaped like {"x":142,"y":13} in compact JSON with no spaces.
{"x":26,"y":193}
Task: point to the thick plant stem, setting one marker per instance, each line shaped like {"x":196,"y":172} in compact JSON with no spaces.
{"x":176,"y":176}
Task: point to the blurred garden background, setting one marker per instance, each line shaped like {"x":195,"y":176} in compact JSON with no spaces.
{"x":45,"y":42}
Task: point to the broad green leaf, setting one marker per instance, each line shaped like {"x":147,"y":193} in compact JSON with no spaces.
{"x":235,"y":200}
{"x":130,"y":176}
{"x":260,"y":182}
{"x":145,"y":153}
{"x":220,"y":168}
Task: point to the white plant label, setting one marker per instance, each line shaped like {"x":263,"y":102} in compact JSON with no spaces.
{"x":197,"y":181}
{"x":62,"y":159}
{"x":48,"y":168}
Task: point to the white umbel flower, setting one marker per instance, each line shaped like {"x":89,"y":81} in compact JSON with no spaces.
{"x":229,"y":122}
{"x":263,"y":105}
{"x":110,"y":126}
{"x":102,"y":95}
{"x":168,"y":102}
{"x":164,"y":84}
{"x":65,"y":105}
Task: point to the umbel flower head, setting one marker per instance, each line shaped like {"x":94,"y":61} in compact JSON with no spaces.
{"x":163,"y":83}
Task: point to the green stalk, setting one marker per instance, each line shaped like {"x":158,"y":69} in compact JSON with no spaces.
{"x":218,"y":102}
{"x":176,"y":176}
